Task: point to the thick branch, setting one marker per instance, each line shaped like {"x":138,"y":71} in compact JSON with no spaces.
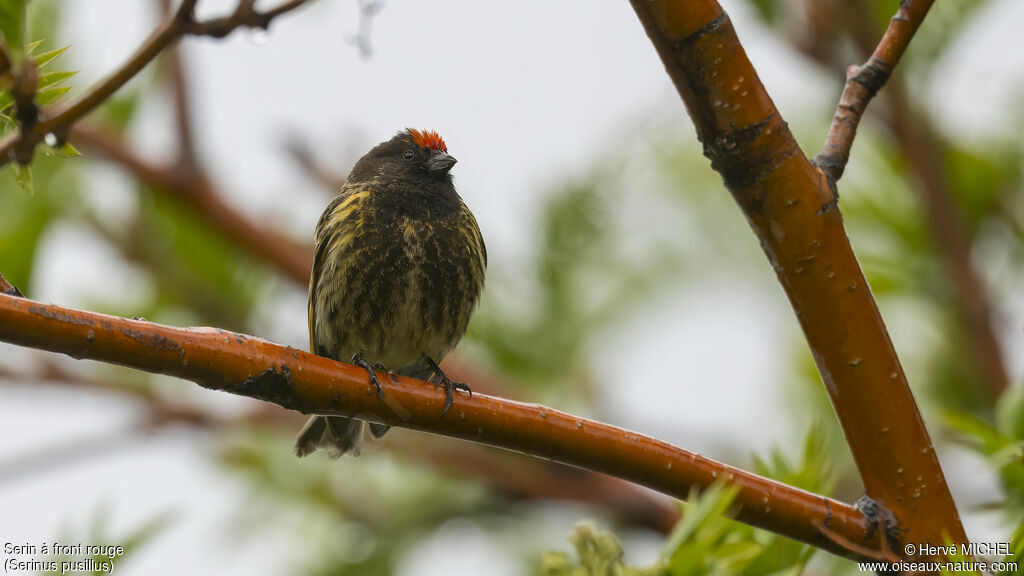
{"x":791,"y":207}
{"x":513,"y":475}
{"x":863,"y":82}
{"x":248,"y":366}
{"x":57,"y":119}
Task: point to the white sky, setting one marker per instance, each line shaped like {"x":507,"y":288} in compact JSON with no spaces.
{"x":527,"y":95}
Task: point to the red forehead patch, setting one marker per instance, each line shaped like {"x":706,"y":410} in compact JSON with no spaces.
{"x":427,"y":139}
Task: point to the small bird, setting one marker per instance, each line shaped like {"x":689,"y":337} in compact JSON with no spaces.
{"x":398,"y":269}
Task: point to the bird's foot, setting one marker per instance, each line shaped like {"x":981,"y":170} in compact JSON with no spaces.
{"x":441,"y":379}
{"x":383,"y":368}
{"x":358,"y":360}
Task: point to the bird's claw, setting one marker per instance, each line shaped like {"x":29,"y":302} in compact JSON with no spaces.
{"x":449,"y":386}
{"x":449,"y":391}
{"x":358,"y":360}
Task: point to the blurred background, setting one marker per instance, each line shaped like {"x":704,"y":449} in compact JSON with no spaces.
{"x":623,"y":284}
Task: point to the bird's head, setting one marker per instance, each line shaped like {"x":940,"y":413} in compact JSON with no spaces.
{"x":410,"y":155}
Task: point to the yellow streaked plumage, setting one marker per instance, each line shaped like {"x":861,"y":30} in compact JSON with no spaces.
{"x":397,"y":271}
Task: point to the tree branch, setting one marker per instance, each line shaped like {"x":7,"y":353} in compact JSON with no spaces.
{"x":221,"y":360}
{"x":175,"y":76}
{"x":863,"y":82}
{"x":919,"y":145}
{"x":302,"y":154}
{"x":206,"y":199}
{"x":510,"y":474}
{"x":57,"y":119}
{"x":792,"y":209}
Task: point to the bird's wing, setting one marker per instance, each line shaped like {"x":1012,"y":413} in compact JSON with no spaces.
{"x":475,"y":242}
{"x":328,"y":234}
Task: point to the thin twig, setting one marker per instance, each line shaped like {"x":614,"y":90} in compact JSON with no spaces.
{"x":175,"y":76}
{"x":244,"y":16}
{"x":58,"y":119}
{"x":863,"y":82}
{"x":302,"y":154}
{"x":363,"y":38}
{"x":248,"y":366}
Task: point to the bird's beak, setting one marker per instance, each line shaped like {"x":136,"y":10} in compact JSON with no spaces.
{"x":440,"y":161}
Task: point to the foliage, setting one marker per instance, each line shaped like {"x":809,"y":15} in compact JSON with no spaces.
{"x":583,"y":280}
{"x":598,"y":554}
{"x":583,"y":283}
{"x":707,"y":540}
{"x":1002,"y":443}
{"x":99,"y":534}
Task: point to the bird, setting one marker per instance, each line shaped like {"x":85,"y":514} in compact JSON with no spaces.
{"x":398,"y":269}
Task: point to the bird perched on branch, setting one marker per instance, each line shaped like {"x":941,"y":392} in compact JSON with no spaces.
{"x":397,"y":271}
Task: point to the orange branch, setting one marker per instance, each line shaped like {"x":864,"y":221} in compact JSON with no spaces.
{"x":221,"y":360}
{"x":510,"y":474}
{"x":863,"y":82}
{"x":919,"y":146}
{"x":792,"y":210}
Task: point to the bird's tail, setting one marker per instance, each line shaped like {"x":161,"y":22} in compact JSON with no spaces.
{"x":336,"y":435}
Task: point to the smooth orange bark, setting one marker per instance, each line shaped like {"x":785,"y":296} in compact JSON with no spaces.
{"x":794,"y":213}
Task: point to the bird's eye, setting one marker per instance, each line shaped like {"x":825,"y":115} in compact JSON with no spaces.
{"x":409,"y":155}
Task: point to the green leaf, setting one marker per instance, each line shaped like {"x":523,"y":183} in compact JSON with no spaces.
{"x":65,"y":151}
{"x":68,"y":151}
{"x":31,"y":46}
{"x":23,"y":219}
{"x":1016,"y":550}
{"x":767,"y":10}
{"x":47,"y":57}
{"x":12,"y":27}
{"x":50,"y":95}
{"x":1010,"y":413}
{"x":978,"y":180}
{"x":695,"y":546}
{"x":23,"y":176}
{"x":989,"y":439}
{"x":54,"y":78}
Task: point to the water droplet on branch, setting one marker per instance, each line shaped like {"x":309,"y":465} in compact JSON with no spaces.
{"x":258,"y":37}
